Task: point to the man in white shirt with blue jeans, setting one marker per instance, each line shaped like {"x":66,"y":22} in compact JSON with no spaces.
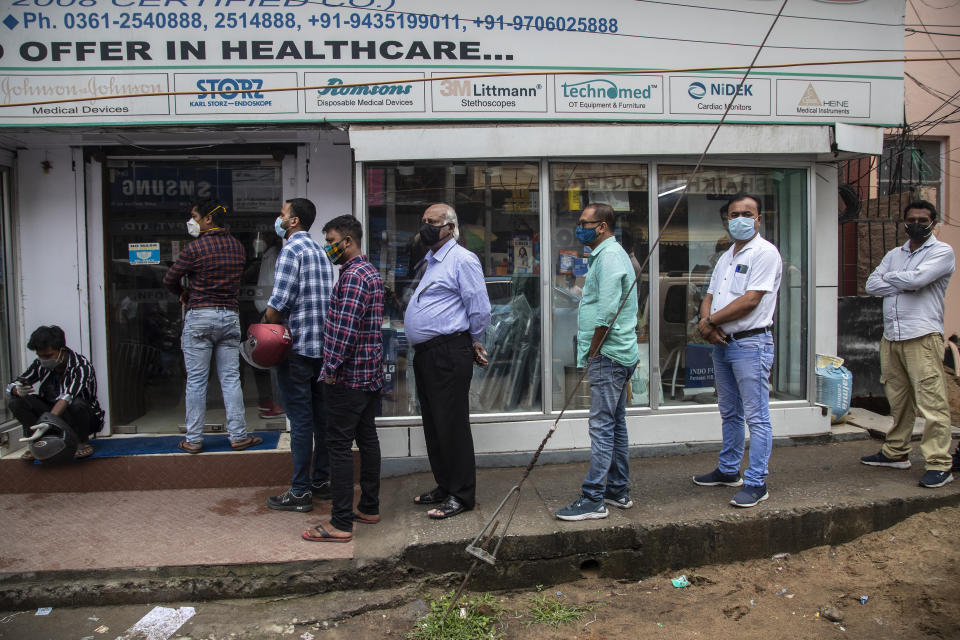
{"x":913,"y":280}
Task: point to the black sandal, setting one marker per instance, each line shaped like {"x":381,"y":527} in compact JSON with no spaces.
{"x":434,"y":496}
{"x":450,"y":507}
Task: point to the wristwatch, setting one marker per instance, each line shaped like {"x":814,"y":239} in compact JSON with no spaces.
{"x":710,"y":321}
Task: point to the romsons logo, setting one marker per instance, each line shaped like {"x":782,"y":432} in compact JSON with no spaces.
{"x":366,"y":90}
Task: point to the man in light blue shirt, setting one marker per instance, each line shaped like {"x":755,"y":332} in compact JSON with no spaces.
{"x":607,"y":346}
{"x":445,"y":322}
{"x":913,"y":280}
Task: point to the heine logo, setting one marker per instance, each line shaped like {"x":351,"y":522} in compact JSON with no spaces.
{"x":810,"y":98}
{"x":604,"y":88}
{"x":697,"y":90}
{"x":230,"y":88}
{"x":363,"y":90}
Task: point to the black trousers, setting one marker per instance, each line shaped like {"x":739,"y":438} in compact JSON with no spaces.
{"x":443,"y":374}
{"x":350,"y":416}
{"x":79,"y":414}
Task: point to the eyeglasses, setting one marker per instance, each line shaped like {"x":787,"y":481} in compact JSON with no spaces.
{"x":741,"y":214}
{"x":580,"y":223}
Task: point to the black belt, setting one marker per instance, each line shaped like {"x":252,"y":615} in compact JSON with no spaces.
{"x":438,"y":340}
{"x":749,"y":332}
{"x":215,"y":308}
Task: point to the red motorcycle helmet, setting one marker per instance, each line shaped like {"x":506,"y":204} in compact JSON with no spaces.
{"x":267,"y":345}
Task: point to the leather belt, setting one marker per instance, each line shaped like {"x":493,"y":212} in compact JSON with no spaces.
{"x":439,"y":340}
{"x":750,"y":332}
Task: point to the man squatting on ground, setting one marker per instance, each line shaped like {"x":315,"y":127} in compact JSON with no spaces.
{"x":67,"y":388}
{"x":303,"y":281}
{"x":213,"y":264}
{"x":913,"y":280}
{"x":609,"y":282}
{"x":736,"y":317}
{"x":353,"y":378}
{"x":445,"y":322}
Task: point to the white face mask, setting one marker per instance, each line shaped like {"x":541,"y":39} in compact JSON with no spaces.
{"x":193,"y":228}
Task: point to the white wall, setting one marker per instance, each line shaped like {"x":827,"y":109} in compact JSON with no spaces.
{"x":47,"y":209}
{"x":824,"y":257}
{"x":329,"y":179}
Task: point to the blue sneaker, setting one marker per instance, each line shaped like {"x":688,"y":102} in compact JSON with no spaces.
{"x":750,"y":496}
{"x":716,"y":478}
{"x":622,"y":501}
{"x":934,"y":479}
{"x":880,"y":460}
{"x":583,"y":508}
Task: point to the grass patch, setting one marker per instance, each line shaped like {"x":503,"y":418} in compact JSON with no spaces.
{"x":477,"y":618}
{"x":549,"y":609}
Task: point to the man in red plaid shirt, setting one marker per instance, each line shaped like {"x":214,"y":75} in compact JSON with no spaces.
{"x":353,"y":373}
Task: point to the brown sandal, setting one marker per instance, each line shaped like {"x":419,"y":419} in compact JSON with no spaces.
{"x":190,"y":448}
{"x":85,"y":450}
{"x":246,"y":443}
{"x":28,"y":456}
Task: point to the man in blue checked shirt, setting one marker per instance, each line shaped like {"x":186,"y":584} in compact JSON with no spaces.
{"x":302,"y":284}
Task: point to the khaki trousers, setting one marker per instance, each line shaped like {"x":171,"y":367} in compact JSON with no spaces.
{"x":912,"y":375}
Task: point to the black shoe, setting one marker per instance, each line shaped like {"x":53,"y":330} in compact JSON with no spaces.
{"x":290,"y":501}
{"x":934,"y":479}
{"x":880,"y":460}
{"x":321,"y":490}
{"x":716,"y":478}
{"x":956,"y":461}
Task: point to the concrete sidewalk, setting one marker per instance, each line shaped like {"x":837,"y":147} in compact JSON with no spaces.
{"x":147,"y":546}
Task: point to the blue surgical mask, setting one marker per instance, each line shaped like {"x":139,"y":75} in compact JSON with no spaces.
{"x":586,"y":235}
{"x":741,"y":228}
{"x":278,"y":227}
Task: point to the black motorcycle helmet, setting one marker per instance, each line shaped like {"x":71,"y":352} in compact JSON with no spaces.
{"x":59,"y":442}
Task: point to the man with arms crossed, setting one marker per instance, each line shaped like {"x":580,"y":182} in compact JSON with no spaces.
{"x":912,"y":280}
{"x":736,"y":317}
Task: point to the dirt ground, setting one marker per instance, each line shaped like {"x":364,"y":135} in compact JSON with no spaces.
{"x":910,"y":574}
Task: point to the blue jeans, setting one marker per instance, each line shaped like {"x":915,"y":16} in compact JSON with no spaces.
{"x":609,"y":446}
{"x":742,"y":370}
{"x":209,"y":332}
{"x":301,"y":395}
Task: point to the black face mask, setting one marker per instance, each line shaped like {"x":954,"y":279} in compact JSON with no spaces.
{"x":918,"y":232}
{"x":429,"y":234}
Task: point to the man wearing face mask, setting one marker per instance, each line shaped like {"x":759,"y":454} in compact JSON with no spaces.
{"x":607,"y":346}
{"x":66,"y":387}
{"x":736,"y":317}
{"x":912,"y":279}
{"x":213,"y":264}
{"x":303,"y":281}
{"x":445,"y":322}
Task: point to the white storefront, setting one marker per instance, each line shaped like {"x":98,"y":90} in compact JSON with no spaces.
{"x":116,"y":113}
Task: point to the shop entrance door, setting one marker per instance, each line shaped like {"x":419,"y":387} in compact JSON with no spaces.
{"x":147,"y":204}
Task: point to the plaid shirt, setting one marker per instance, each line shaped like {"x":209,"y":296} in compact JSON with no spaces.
{"x":302,"y":282}
{"x":353,"y":344}
{"x":214,"y":263}
{"x":78,"y":380}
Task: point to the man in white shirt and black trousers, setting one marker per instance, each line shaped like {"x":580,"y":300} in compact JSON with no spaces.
{"x":736,"y":317}
{"x":912,"y":279}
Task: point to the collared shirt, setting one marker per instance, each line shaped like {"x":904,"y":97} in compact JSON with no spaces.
{"x":214,"y":264}
{"x":913,"y":284}
{"x":610,"y":277}
{"x":302,"y":282}
{"x":78,"y":380}
{"x":353,"y":341}
{"x":451,"y":297}
{"x":756,"y":267}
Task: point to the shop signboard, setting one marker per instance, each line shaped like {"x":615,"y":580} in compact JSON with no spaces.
{"x":94,"y":62}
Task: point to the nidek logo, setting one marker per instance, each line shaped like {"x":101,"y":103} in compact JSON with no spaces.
{"x":606,"y":89}
{"x":699,"y":90}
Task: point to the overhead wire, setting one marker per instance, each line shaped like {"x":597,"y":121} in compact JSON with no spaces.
{"x":934,"y":42}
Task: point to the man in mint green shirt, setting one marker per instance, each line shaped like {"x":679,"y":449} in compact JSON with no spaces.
{"x":610,"y":362}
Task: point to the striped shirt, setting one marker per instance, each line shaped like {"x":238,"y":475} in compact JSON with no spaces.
{"x":214,"y":263}
{"x":302,"y":282}
{"x":353,"y":343}
{"x":79,"y":380}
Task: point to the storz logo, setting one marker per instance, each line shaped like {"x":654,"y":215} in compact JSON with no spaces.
{"x":697,"y":90}
{"x":232,"y":88}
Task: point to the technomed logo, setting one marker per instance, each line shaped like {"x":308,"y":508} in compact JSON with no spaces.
{"x":604,"y":88}
{"x":697,"y":90}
